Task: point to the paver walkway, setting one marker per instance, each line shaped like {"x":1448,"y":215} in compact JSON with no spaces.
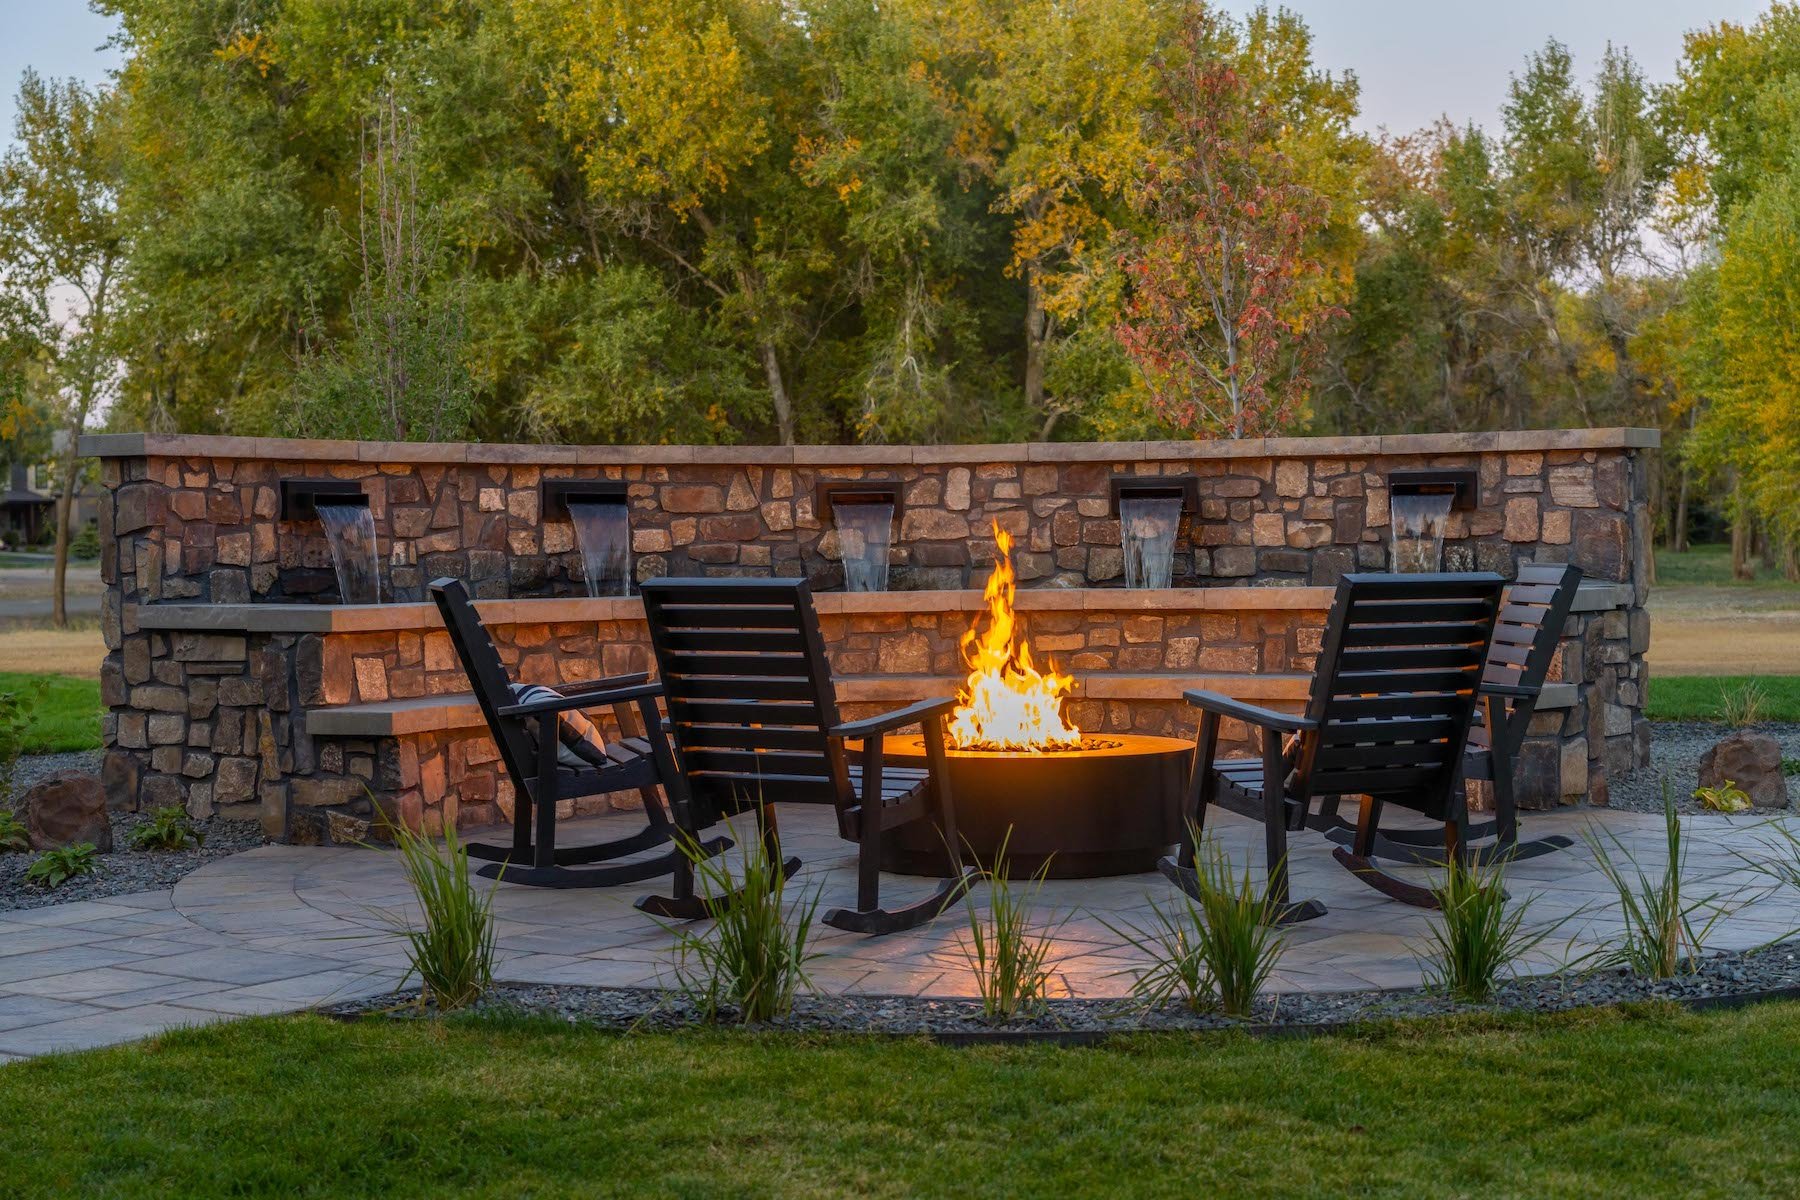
{"x":283,"y":928}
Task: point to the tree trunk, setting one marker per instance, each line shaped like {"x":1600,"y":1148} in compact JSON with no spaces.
{"x":1037,"y":332}
{"x":65,"y":509}
{"x":1740,"y":536}
{"x":1678,"y":532}
{"x":784,"y":409}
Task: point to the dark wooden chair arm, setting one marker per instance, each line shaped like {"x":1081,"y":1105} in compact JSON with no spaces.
{"x":898,"y":719}
{"x":631,"y":679}
{"x":1250,"y":714}
{"x":534,"y":708}
{"x":1510,"y":691}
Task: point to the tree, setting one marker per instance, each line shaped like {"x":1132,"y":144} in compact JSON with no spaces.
{"x":60,"y":237}
{"x":1223,"y":317}
{"x":399,"y":375}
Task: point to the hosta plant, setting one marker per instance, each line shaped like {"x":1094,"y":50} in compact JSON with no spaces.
{"x":167,"y":829}
{"x":1728,"y":797}
{"x":54,"y":868}
{"x":13,"y":838}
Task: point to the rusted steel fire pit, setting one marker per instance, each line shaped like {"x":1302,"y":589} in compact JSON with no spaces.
{"x":1110,"y":807}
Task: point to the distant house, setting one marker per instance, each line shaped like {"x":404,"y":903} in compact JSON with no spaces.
{"x":28,"y":507}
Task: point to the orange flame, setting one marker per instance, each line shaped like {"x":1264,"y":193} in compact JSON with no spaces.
{"x":1007,"y":703}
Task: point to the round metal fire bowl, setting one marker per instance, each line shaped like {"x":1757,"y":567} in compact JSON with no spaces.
{"x":1110,"y":810}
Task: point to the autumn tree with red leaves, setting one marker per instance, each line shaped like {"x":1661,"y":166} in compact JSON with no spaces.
{"x":1225,"y":312}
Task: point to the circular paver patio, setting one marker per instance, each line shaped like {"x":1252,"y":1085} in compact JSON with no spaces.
{"x":335,"y":904}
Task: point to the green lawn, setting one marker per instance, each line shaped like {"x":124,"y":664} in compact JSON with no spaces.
{"x":68,"y":716}
{"x":1702,"y":697}
{"x":1710,"y":565}
{"x":1605,"y":1104}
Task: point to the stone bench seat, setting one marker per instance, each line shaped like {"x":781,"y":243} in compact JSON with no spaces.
{"x":435,"y":714}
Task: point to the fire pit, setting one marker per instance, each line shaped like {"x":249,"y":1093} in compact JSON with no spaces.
{"x":1082,"y":805}
{"x":1109,"y":807}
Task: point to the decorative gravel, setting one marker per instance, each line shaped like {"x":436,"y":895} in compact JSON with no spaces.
{"x":1718,"y":979}
{"x":1676,"y":748}
{"x":125,"y":870}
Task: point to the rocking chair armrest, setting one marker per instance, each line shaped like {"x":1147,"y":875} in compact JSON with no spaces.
{"x":631,"y":679}
{"x":1509,"y":691}
{"x":1249,"y":714}
{"x":535,"y":708}
{"x":888,"y":722}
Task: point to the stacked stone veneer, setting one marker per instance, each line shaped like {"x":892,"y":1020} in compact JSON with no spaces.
{"x":226,"y":689}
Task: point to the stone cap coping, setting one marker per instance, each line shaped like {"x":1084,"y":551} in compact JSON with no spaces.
{"x":158,"y":445}
{"x":435,"y":714}
{"x":1594,"y":596}
{"x":367,"y":618}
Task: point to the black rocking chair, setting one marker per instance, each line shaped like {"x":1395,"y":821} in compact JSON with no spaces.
{"x":527,"y":734}
{"x":1392,"y":700}
{"x":1532,"y":617}
{"x":753,"y":720}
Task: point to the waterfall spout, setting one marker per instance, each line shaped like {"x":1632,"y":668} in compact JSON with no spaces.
{"x":1147,"y":528}
{"x":865,"y":535}
{"x":350,"y":532}
{"x":603,"y":532}
{"x":1417,"y":536}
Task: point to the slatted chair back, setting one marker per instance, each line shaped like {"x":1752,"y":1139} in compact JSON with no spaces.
{"x":487,"y":675}
{"x":748,"y":689}
{"x":1532,"y":616}
{"x":1395,"y":687}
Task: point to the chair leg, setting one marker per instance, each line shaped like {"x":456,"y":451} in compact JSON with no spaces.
{"x":687,"y":905}
{"x":869,"y":917}
{"x":1355,"y":859}
{"x":1203,"y":786}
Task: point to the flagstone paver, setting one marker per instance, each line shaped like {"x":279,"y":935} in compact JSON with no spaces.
{"x":283,"y":928}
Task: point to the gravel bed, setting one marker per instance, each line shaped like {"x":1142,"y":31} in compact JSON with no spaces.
{"x":1676,"y":748}
{"x":125,"y":870}
{"x":1717,"y":978}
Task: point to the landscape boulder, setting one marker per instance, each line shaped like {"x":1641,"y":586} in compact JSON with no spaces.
{"x":1753,"y":762}
{"x":66,"y":808}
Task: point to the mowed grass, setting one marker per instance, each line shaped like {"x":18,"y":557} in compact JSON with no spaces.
{"x":1656,"y":1103}
{"x":1709,"y":565}
{"x":1706,"y":697}
{"x":65,"y":717}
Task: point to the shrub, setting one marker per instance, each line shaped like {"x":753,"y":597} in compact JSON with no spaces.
{"x":1661,"y":937}
{"x":453,"y":955}
{"x":13,"y":839}
{"x":1007,"y":949}
{"x":54,"y":868}
{"x":1743,"y":705}
{"x":1726,"y":798}
{"x":753,"y":958}
{"x":167,"y":829}
{"x":1790,"y":766}
{"x":15,"y":719}
{"x":1478,"y":932}
{"x":86,"y":543}
{"x":1214,"y":951}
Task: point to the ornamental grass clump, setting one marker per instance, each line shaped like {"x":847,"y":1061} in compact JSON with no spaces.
{"x":1743,"y":705}
{"x":752,"y":961}
{"x":1478,"y":932}
{"x":1008,"y":949}
{"x":1662,"y":937}
{"x":453,"y":954}
{"x":1214,"y":950}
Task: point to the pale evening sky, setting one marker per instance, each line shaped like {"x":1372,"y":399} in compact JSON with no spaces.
{"x":1416,"y":59}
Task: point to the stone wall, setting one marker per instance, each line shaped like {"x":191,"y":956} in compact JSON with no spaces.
{"x":226,"y":690}
{"x":196,"y":518}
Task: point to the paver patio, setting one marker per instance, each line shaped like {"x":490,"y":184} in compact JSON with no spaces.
{"x":284,"y":928}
